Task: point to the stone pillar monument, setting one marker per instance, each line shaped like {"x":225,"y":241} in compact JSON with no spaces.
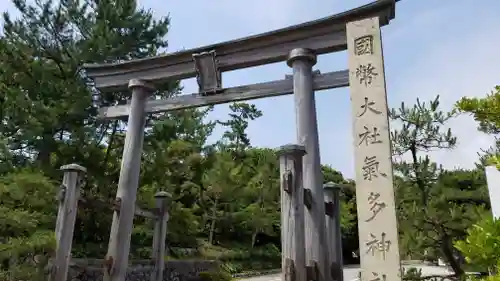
{"x":378,"y":232}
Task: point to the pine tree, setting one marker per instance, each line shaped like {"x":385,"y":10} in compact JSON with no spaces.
{"x":434,"y":206}
{"x":26,"y":225}
{"x":49,"y":108}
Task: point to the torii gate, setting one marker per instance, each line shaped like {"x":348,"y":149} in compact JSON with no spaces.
{"x":358,"y":31}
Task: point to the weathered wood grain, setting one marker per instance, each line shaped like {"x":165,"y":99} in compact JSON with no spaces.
{"x":160,"y":234}
{"x":322,"y":36}
{"x":66,"y":216}
{"x":333,"y":231}
{"x":292,"y":213}
{"x":325,"y":81}
{"x":302,"y":61}
{"x":128,"y":183}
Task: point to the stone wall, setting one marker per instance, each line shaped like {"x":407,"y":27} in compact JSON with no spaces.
{"x":91,"y":270}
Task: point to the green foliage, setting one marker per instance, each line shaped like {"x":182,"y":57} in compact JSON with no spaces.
{"x":495,"y":277}
{"x":482,"y":245}
{"x":412,"y":274}
{"x":486,"y":111}
{"x":421,"y":128}
{"x":480,"y":248}
{"x":451,"y":200}
{"x":26,"y":225}
{"x":220,"y":275}
{"x":235,"y":137}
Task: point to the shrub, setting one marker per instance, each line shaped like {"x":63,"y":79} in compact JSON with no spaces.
{"x":219,"y":275}
{"x":27,"y":238}
{"x":481,"y":247}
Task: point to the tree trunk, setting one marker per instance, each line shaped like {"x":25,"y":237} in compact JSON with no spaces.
{"x":418,"y":175}
{"x":254,"y":238}
{"x":43,"y":157}
{"x":447,"y":250}
{"x":212,"y":223}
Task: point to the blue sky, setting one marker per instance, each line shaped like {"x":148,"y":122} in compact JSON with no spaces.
{"x":444,"y":47}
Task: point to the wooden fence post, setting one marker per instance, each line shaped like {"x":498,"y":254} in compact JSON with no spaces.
{"x":292,"y":213}
{"x":68,"y":207}
{"x":160,"y":234}
{"x":332,"y":211}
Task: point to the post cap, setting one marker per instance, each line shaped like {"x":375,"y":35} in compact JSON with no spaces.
{"x":138,"y":83}
{"x":332,"y":186}
{"x":290,"y":149}
{"x":73,"y":167}
{"x":302,"y":54}
{"x":163,"y":194}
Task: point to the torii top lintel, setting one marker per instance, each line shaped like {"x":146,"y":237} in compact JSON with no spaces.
{"x":325,"y":35}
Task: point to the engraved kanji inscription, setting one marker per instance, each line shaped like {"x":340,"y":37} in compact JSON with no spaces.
{"x":378,"y":277}
{"x":378,"y":246}
{"x":363,"y":45}
{"x":376,"y":205}
{"x":368,"y":105}
{"x":370,"y":168}
{"x":366,"y":74}
{"x":369,"y":136}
